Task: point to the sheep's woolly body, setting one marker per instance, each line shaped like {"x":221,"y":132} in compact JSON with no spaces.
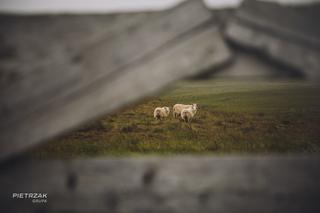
{"x":161,"y":112}
{"x":177,"y":109}
{"x":189,"y":113}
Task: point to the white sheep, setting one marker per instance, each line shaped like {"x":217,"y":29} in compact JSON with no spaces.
{"x":177,"y":109}
{"x":188,"y":113}
{"x":161,"y":112}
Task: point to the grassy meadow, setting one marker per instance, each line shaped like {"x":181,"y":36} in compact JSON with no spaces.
{"x":235,"y":116}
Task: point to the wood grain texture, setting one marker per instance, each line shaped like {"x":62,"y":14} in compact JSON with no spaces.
{"x":284,"y":34}
{"x":185,"y":184}
{"x":295,"y":22}
{"x":76,"y":81}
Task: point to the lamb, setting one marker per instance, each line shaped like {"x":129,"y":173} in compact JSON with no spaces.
{"x":177,"y":109}
{"x":161,"y":112}
{"x":188,"y":113}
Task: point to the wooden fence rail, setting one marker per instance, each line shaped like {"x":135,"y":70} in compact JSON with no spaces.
{"x":185,"y":184}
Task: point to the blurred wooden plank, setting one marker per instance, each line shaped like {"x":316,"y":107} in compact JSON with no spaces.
{"x":66,"y":71}
{"x":185,"y":184}
{"x":106,"y":73}
{"x":285,"y":34}
{"x":294,"y":22}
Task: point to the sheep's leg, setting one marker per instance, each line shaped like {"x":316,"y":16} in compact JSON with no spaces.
{"x":190,"y":123}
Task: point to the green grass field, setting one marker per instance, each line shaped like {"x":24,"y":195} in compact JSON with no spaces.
{"x":235,"y":116}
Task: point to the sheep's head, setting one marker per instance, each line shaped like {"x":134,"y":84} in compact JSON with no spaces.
{"x":194,"y":106}
{"x":167,"y":109}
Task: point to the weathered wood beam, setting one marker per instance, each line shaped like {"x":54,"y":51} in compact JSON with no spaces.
{"x":285,"y":34}
{"x":185,"y":184}
{"x":76,"y":81}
